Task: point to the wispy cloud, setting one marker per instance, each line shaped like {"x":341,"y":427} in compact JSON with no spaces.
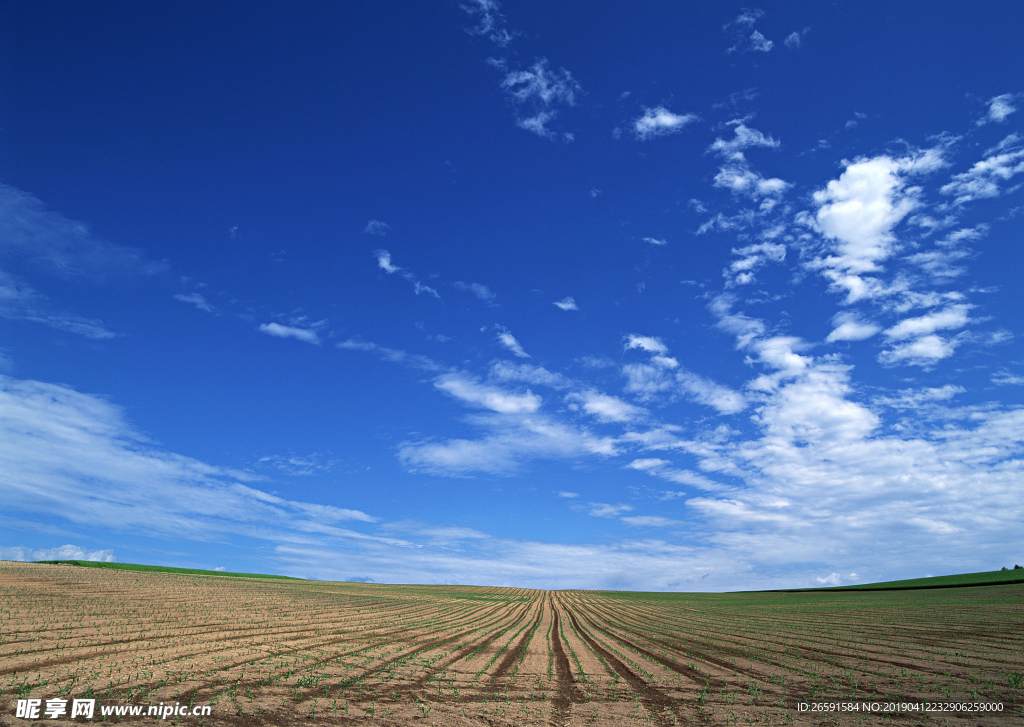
{"x":567,"y":303}
{"x":51,"y":242}
{"x":195,"y":299}
{"x":506,"y":339}
{"x":603,"y":407}
{"x":999,"y":108}
{"x":376,"y":227}
{"x":19,"y":301}
{"x":490,"y":21}
{"x":744,"y":35}
{"x":384,"y":263}
{"x":603,"y":509}
{"x":986,"y":178}
{"x":659,"y":241}
{"x":73,"y":456}
{"x":480,"y":290}
{"x":471,"y":391}
{"x":659,"y":121}
{"x":301,"y":334}
{"x":536,"y":93}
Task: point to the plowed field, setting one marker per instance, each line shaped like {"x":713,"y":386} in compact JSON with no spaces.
{"x":298,"y":652}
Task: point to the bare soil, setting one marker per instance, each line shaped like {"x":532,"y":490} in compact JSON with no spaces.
{"x":267,"y":652}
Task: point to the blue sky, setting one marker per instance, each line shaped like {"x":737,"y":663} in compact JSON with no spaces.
{"x":685,"y":297}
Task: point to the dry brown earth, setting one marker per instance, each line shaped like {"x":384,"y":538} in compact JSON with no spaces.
{"x":277,"y":652}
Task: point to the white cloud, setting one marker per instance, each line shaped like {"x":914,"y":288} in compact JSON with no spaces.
{"x":739,"y":28}
{"x":195,"y":299}
{"x":490,"y":22}
{"x":478,"y":289}
{"x":392,"y":355}
{"x":656,"y":241}
{"x":603,"y":509}
{"x":376,"y":227}
{"x":999,"y":108}
{"x":384,"y":262}
{"x":509,"y":341}
{"x":527,"y":374}
{"x":73,"y":456}
{"x":21,"y":302}
{"x":651,"y":521}
{"x":710,"y":393}
{"x":857,"y":214}
{"x":752,"y":257}
{"x":795,"y":39}
{"x":300,"y":334}
{"x":924,"y":351}
{"x":659,"y":121}
{"x":419,"y":287}
{"x":64,"y":552}
{"x":743,"y":138}
{"x":983,"y":180}
{"x":850,"y":327}
{"x":469,"y":390}
{"x":568,"y":495}
{"x":510,"y":440}
{"x":1005,"y":378}
{"x":567,"y":303}
{"x":62,"y":246}
{"x":954,"y":316}
{"x":919,"y":398}
{"x":603,"y":407}
{"x":757,"y":42}
{"x":663,"y":469}
{"x":646,"y":343}
{"x":535,"y":92}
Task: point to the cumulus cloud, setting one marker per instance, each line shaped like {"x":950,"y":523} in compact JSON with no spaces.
{"x":567,"y":303}
{"x":300,"y":334}
{"x":64,"y":552}
{"x":509,"y":341}
{"x":857,"y":214}
{"x":659,"y":121}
